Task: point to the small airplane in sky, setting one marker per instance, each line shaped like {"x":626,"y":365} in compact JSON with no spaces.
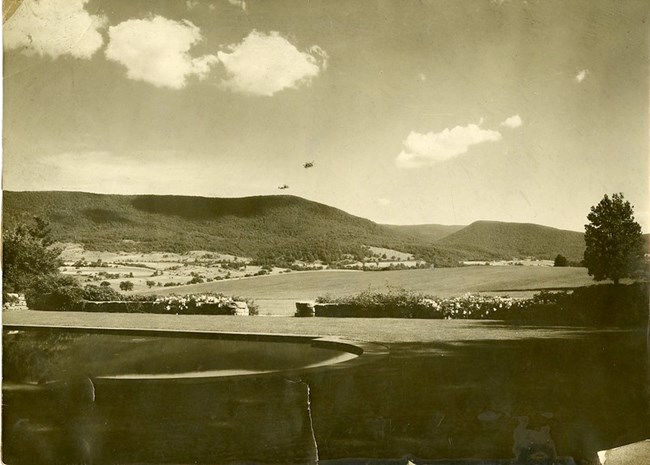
{"x":309,"y":164}
{"x":282,"y":187}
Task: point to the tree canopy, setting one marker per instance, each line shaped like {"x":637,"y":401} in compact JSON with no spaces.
{"x":27,"y":255}
{"x":560,"y":260}
{"x":613,"y":239}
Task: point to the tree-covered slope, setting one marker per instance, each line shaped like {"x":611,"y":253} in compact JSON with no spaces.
{"x":510,"y":240}
{"x":278,"y":226}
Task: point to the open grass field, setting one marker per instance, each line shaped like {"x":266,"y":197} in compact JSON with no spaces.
{"x":443,"y":282}
{"x":277,"y":294}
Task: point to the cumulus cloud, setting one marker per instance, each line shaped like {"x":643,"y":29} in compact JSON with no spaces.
{"x":513,"y":122}
{"x":582,"y":74}
{"x":156,"y":50}
{"x":54,"y":28}
{"x":434,"y":147}
{"x":263,"y":64}
{"x":191,"y":4}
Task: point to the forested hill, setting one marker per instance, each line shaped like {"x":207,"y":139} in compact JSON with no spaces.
{"x":509,"y":240}
{"x":278,"y":226}
{"x":274,"y":227}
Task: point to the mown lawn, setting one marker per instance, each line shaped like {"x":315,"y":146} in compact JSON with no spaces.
{"x":381,"y":330}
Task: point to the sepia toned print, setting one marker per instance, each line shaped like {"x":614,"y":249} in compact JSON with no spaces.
{"x":282,"y":232}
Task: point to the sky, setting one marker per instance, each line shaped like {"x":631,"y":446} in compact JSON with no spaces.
{"x":412,"y":111}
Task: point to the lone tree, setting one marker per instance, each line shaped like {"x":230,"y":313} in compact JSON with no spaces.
{"x":614,"y":244}
{"x":560,"y":260}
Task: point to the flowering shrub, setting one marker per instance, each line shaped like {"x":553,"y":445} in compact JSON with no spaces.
{"x":471,"y":306}
{"x":600,"y":305}
{"x":194,"y":304}
{"x":406,"y":304}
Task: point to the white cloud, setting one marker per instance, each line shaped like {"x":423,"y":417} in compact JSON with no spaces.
{"x":513,"y":122}
{"x":582,"y":74}
{"x":156,"y":50}
{"x":191,"y":4}
{"x":431,"y":148}
{"x":54,"y":28}
{"x":263,"y":64}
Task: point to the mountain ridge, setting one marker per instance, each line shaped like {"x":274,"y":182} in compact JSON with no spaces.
{"x":527,"y":239}
{"x":266,"y":227}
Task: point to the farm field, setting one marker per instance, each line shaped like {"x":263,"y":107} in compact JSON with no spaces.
{"x":276,"y":295}
{"x":154,"y":270}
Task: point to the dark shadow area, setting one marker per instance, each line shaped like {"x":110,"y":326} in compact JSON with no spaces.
{"x":211,"y":208}
{"x":598,"y":306}
{"x":464,"y":400}
{"x":427,"y":400}
{"x":573,"y":328}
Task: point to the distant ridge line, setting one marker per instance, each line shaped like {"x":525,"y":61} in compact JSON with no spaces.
{"x":271,"y":227}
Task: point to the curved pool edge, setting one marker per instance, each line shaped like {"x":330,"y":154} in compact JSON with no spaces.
{"x":365,"y":352}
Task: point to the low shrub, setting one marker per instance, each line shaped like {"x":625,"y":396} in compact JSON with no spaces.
{"x":101,"y":293}
{"x":65,"y":293}
{"x":55,"y":292}
{"x":202,"y":304}
{"x":603,"y":305}
{"x":598,"y":305}
{"x":407,"y":304}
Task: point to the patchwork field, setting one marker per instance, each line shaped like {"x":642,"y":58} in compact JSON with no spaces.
{"x":276,"y":290}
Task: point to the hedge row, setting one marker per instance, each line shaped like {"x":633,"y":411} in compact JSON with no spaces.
{"x":63,"y":293}
{"x":600,"y":305}
{"x":234,"y":308}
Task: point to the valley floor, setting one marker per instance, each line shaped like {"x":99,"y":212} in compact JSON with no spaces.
{"x":276,"y":295}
